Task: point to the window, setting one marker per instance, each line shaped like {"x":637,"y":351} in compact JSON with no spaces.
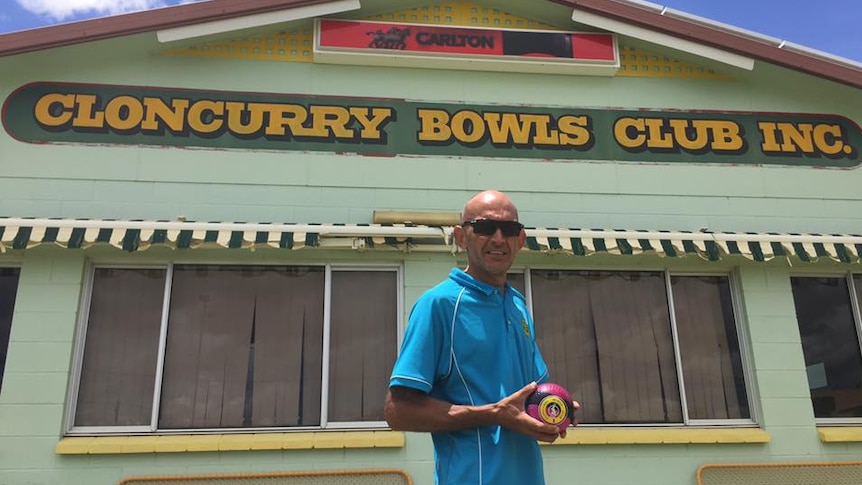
{"x":243,"y":347}
{"x":8,"y":290}
{"x":827,"y":312}
{"x":640,"y":347}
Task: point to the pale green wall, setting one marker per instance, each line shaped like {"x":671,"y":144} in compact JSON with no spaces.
{"x":33,"y":396}
{"x":233,"y":185}
{"x":83,"y":181}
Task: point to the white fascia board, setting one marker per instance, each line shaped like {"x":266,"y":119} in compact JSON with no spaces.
{"x":465,"y":63}
{"x":647,"y":35}
{"x":257,"y":20}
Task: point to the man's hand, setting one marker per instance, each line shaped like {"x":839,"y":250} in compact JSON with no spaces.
{"x":513,"y":416}
{"x":575,"y":406}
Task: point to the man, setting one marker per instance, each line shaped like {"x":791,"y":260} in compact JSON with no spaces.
{"x":469,"y":360}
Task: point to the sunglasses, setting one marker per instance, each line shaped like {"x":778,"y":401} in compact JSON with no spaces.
{"x":488,"y":227}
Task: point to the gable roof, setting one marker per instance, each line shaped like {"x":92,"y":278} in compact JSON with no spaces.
{"x":642,"y":15}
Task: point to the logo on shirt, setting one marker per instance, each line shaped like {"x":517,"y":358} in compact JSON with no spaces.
{"x":526,"y":328}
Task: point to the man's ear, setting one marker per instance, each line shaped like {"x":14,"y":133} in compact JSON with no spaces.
{"x":458,"y":234}
{"x":522,"y":239}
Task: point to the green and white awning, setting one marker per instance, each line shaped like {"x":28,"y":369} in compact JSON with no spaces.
{"x":19,"y":234}
{"x":131,"y":235}
{"x":711,"y":246}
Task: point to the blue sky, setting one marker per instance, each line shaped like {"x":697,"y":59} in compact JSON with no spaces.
{"x":831,"y":26}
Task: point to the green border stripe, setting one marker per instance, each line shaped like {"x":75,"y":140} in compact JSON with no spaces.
{"x":132,"y":240}
{"x":625,"y":247}
{"x":578,"y":248}
{"x":22,"y":238}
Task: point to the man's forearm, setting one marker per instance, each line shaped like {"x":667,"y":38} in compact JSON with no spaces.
{"x":410,"y":410}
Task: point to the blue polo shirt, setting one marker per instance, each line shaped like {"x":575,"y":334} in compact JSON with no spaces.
{"x":468,"y":343}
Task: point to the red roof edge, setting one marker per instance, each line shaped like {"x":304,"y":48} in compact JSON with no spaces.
{"x":139,"y":22}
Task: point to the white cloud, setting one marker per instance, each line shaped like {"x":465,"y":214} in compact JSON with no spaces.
{"x":59,"y":10}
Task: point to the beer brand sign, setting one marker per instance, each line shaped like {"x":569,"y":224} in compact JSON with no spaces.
{"x":129,"y":115}
{"x":435,"y":40}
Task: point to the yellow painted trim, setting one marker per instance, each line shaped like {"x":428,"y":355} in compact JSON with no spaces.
{"x":141,"y":445}
{"x":639,"y":436}
{"x":297,"y":441}
{"x":91,"y":445}
{"x":328,"y":440}
{"x":840,"y":434}
{"x":74,"y":446}
{"x":388,"y":440}
{"x":266,"y":441}
{"x":296,"y":45}
{"x":200,"y":443}
{"x":163,"y":444}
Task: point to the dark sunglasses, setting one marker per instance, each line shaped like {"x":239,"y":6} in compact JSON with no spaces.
{"x":488,"y":227}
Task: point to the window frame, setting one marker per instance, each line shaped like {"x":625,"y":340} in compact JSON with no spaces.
{"x":399,"y":298}
{"x":741,"y":322}
{"x":6,"y":340}
{"x":855,"y":311}
{"x":329,"y":267}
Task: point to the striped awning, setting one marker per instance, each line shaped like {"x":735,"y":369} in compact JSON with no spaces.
{"x":129,"y":235}
{"x":18,"y":233}
{"x":711,"y":246}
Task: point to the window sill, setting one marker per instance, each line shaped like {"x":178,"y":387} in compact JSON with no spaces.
{"x":644,"y":436}
{"x":840,"y":434}
{"x":93,"y":445}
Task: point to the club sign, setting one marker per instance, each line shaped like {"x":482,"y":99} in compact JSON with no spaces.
{"x":129,"y":115}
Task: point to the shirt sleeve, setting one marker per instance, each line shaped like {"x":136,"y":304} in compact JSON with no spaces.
{"x":422,"y":351}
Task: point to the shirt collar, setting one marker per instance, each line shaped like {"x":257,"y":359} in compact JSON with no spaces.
{"x":465,"y":279}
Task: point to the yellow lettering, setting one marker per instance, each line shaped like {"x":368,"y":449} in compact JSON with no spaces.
{"x":158,"y":113}
{"x":370,"y":125}
{"x":726,"y":136}
{"x":330,"y":120}
{"x":797,"y":137}
{"x":681,"y":133}
{"x":770,"y":143}
{"x":660,"y":134}
{"x":655,"y":134}
{"x":291,"y":115}
{"x":504,"y":128}
{"x":433,"y":125}
{"x":86,"y":115}
{"x":468,"y":126}
{"x":822,"y":136}
{"x":235,"y":120}
{"x":805,"y":138}
{"x":624,"y":128}
{"x":201,"y":112}
{"x":124,"y":113}
{"x":47,"y":103}
{"x":542,"y":135}
{"x":574,"y":130}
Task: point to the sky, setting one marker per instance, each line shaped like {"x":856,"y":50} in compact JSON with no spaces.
{"x":830,"y":26}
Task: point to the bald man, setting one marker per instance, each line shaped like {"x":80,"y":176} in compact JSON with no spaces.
{"x":469,"y":360}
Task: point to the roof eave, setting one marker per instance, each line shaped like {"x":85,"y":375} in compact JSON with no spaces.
{"x":139,"y":22}
{"x":643,"y":16}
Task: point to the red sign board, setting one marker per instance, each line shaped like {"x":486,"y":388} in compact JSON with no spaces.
{"x":436,"y":40}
